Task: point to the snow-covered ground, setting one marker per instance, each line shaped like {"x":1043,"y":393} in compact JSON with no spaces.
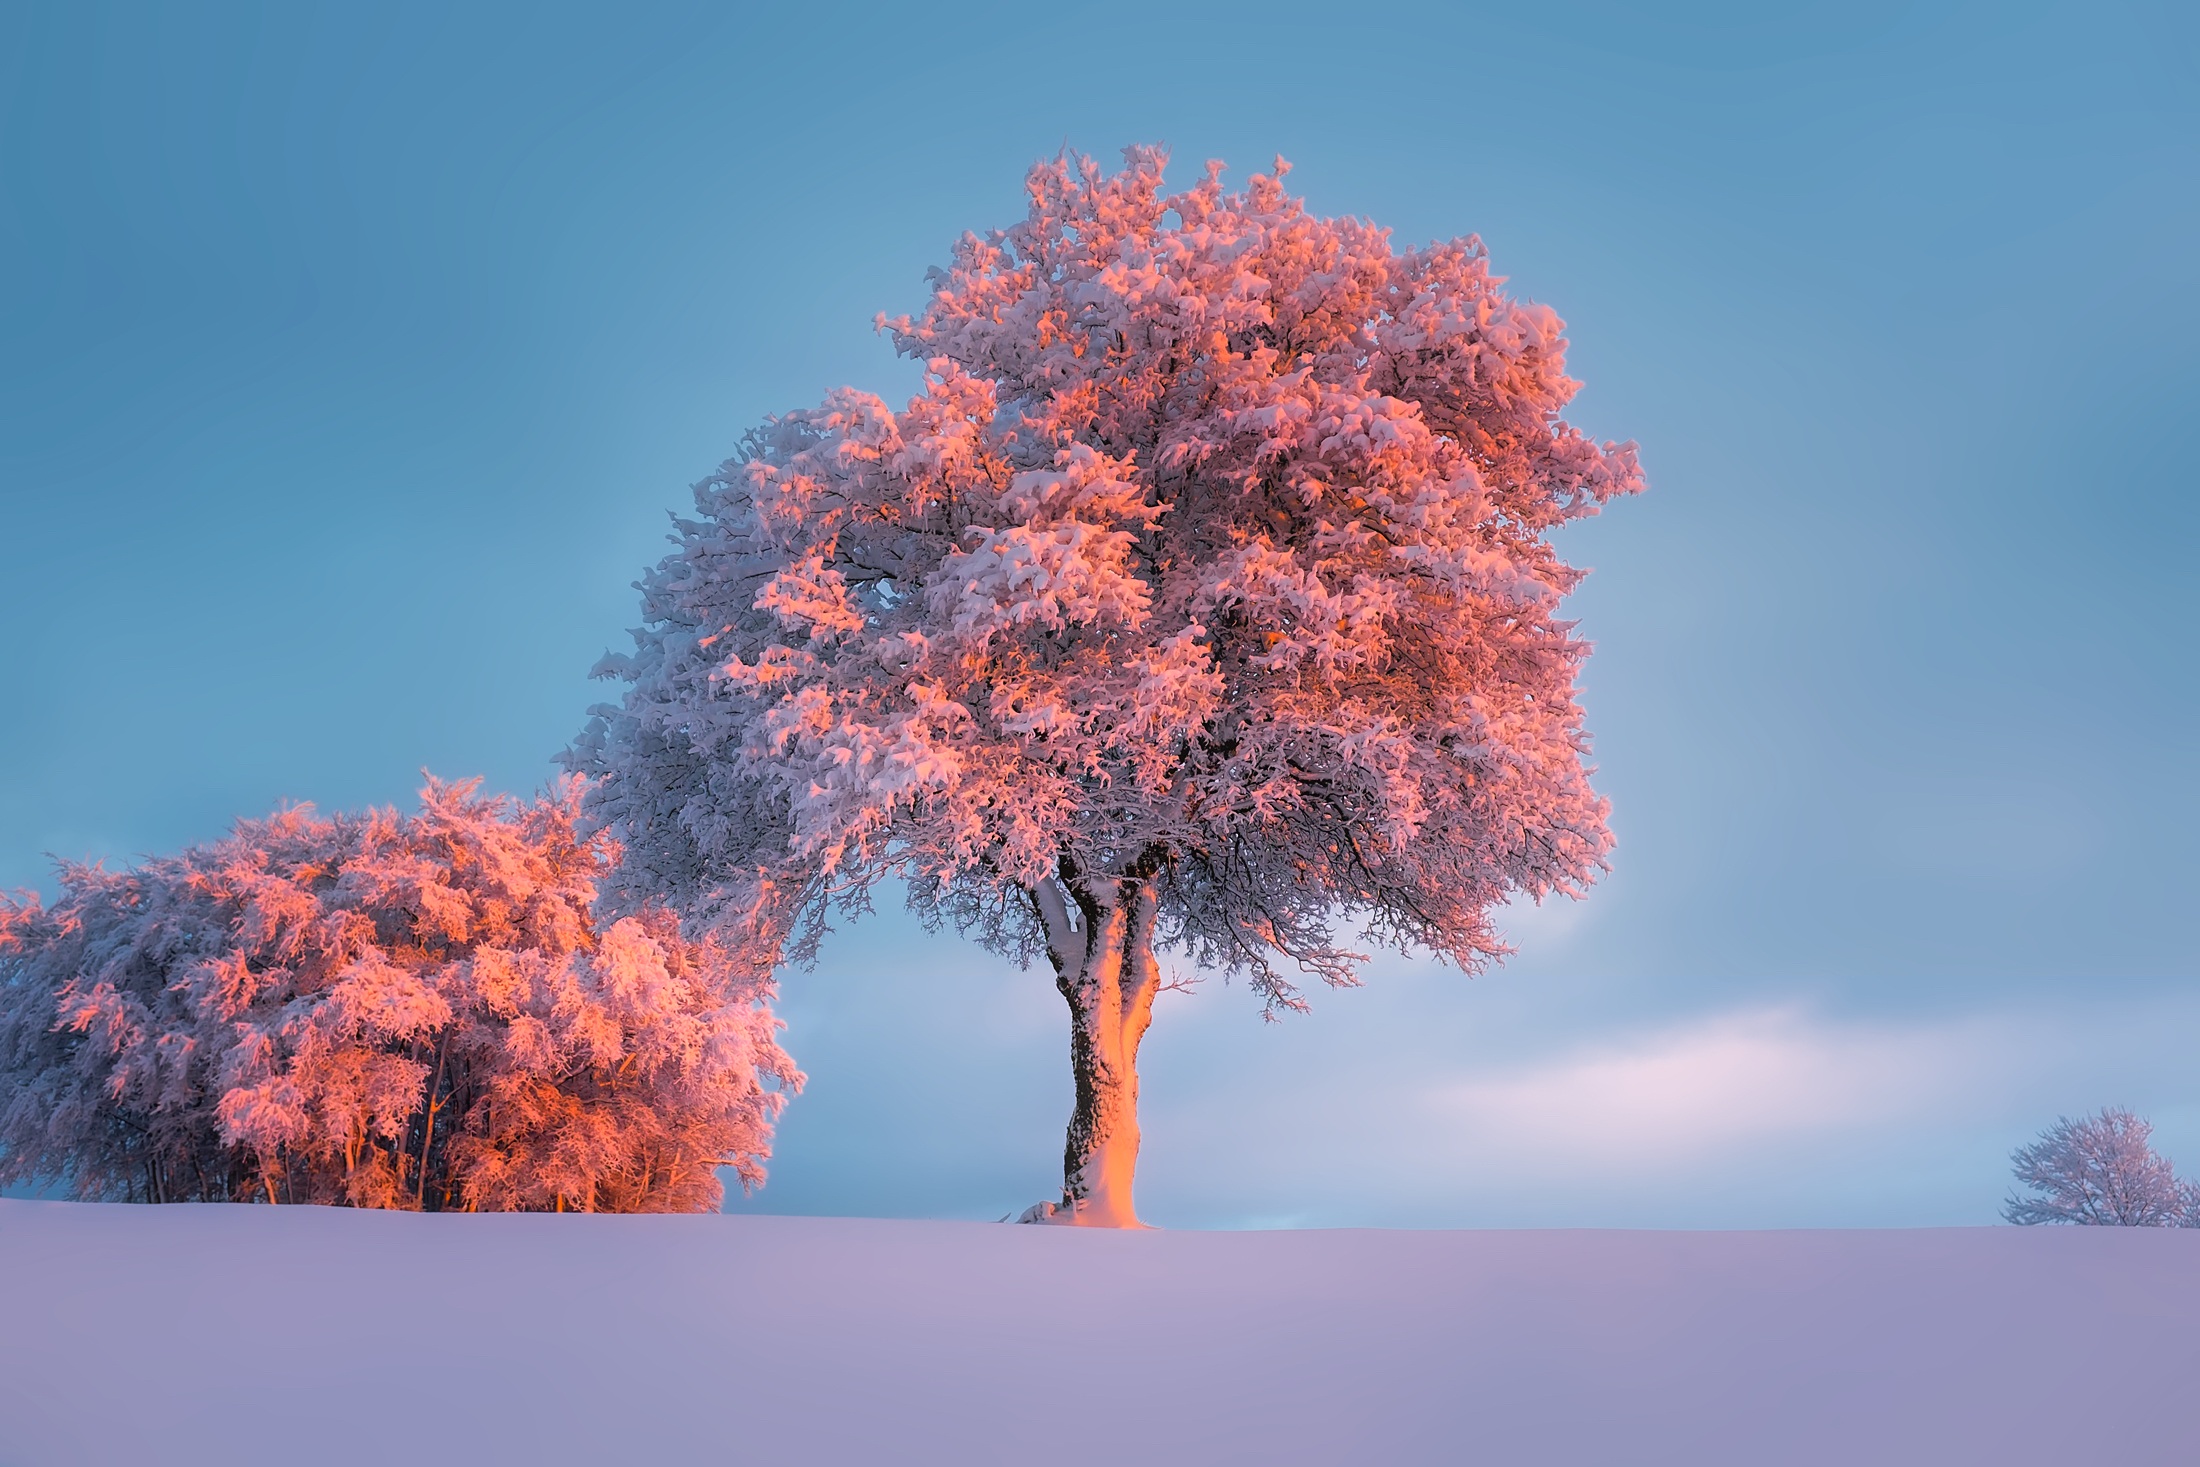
{"x":185,"y":1335}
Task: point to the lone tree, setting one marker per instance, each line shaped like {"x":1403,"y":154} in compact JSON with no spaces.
{"x":380,"y":1010}
{"x":1201,"y":599}
{"x":2100,"y":1171}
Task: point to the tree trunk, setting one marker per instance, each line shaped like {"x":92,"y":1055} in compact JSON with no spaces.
{"x":1102,"y":949}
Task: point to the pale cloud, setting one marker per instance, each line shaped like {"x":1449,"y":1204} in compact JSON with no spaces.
{"x":1547,"y":928}
{"x":1692,"y":1093}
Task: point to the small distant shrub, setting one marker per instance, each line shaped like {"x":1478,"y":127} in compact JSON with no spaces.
{"x":380,"y":1010}
{"x":2100,"y":1171}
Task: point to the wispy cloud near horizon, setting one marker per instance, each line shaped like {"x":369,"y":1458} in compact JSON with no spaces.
{"x":1766,"y":1115}
{"x":1688,"y":1093}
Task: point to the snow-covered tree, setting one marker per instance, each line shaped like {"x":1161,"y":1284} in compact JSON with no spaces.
{"x":2100,"y":1170}
{"x":381,"y":1010}
{"x":1201,"y":599}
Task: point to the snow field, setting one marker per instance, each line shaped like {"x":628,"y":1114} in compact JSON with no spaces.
{"x":250,"y":1334}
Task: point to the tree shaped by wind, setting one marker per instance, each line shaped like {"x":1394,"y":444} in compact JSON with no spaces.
{"x":1201,"y":600}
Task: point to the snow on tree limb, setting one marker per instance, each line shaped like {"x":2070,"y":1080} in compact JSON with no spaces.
{"x":1213,"y":548}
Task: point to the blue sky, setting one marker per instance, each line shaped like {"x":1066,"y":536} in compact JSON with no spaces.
{"x":349,"y":363}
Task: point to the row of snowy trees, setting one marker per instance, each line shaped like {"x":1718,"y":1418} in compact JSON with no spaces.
{"x":2101,"y":1171}
{"x":384,"y":1010}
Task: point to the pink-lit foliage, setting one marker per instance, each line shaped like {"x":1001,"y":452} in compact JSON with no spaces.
{"x":381,"y":1010}
{"x":1201,"y":598}
{"x":2100,"y":1171}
